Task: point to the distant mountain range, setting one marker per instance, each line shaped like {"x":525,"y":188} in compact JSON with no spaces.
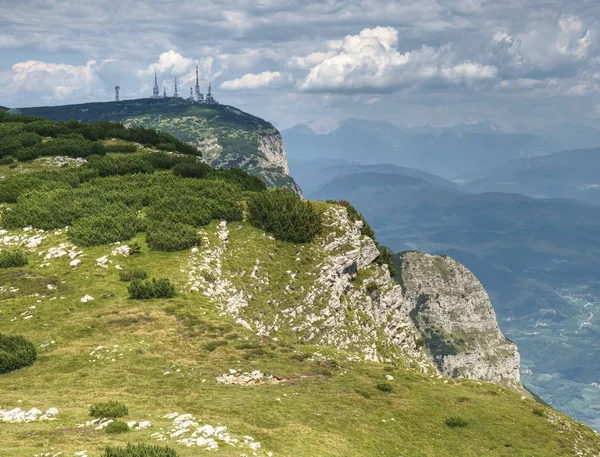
{"x":570,"y":174}
{"x":450,"y":152}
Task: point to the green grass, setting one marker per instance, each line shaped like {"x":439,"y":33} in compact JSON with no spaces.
{"x":163,"y":356}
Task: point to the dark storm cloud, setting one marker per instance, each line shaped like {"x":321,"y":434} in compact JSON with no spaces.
{"x":440,"y":60}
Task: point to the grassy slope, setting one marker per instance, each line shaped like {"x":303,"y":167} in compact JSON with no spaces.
{"x":324,"y":410}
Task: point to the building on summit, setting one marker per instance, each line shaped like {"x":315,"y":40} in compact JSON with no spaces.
{"x":196,"y":96}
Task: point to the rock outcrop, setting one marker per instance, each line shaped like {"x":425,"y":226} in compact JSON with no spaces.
{"x":452,"y":312}
{"x":439,"y":322}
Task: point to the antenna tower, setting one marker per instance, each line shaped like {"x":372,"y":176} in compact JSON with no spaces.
{"x":155,"y":92}
{"x":117,"y":93}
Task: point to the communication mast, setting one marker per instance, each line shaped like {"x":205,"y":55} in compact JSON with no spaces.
{"x":175,"y":94}
{"x":117,"y":93}
{"x":199,"y":96}
{"x":155,"y":92}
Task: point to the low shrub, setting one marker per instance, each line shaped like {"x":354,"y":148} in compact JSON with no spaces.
{"x":12,"y":259}
{"x":192,"y":170}
{"x":113,"y":224}
{"x":139,"y":450}
{"x":6,"y":160}
{"x":117,"y":427}
{"x":385,"y":387}
{"x":456,"y":421}
{"x":385,"y":258}
{"x":134,"y":273}
{"x":15,"y":352}
{"x":135,"y":248}
{"x":162,"y":288}
{"x":108,"y":409}
{"x":285,"y":215}
{"x":171,"y":236}
{"x":142,"y":289}
{"x":538,"y":412}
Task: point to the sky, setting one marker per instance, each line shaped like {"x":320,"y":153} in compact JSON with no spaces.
{"x":519,"y":63}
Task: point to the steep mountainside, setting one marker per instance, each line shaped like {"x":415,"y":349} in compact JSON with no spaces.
{"x":567,"y":174}
{"x":538,"y":259}
{"x":226,"y":136}
{"x":227,"y":319}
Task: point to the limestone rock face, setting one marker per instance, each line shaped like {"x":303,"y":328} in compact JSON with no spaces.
{"x":453,"y":313}
{"x":271,"y":146}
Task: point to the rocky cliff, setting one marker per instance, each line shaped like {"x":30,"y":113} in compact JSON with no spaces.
{"x":456,"y":321}
{"x":440,"y":321}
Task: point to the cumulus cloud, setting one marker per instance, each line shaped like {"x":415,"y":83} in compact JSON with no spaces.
{"x":252,"y":81}
{"x":169,"y":62}
{"x":371,"y":61}
{"x":52,"y":81}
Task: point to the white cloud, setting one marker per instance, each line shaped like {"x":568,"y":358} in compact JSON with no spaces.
{"x":252,"y":81}
{"x":468,"y":72}
{"x":50,"y":80}
{"x":169,"y":62}
{"x":371,"y":61}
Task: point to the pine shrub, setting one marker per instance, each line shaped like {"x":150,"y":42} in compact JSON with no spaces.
{"x":192,"y":170}
{"x":140,"y":289}
{"x":139,"y":450}
{"x":171,"y":236}
{"x":12,"y":259}
{"x":117,"y":427}
{"x":15,"y":352}
{"x":143,"y":289}
{"x":385,"y":387}
{"x":108,"y":409}
{"x":114,"y":224}
{"x":285,"y":215}
{"x":134,"y":273}
{"x":456,"y":422}
{"x":162,"y":288}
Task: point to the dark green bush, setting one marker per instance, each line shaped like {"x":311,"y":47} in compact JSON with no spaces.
{"x":110,"y":226}
{"x":192,"y":170}
{"x":167,"y":161}
{"x":285,"y":215}
{"x":12,"y":259}
{"x":108,"y":409}
{"x":385,"y":387}
{"x":166,"y":147}
{"x":162,"y":288}
{"x":142,"y":289}
{"x":139,"y":450}
{"x":171,"y":236}
{"x":538,"y":412}
{"x":26,"y":154}
{"x":15,"y":352}
{"x":134,"y":273}
{"x":6,"y":160}
{"x":135,"y":248}
{"x":121,"y":147}
{"x":456,"y":421}
{"x":385,"y":258}
{"x":117,"y":427}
